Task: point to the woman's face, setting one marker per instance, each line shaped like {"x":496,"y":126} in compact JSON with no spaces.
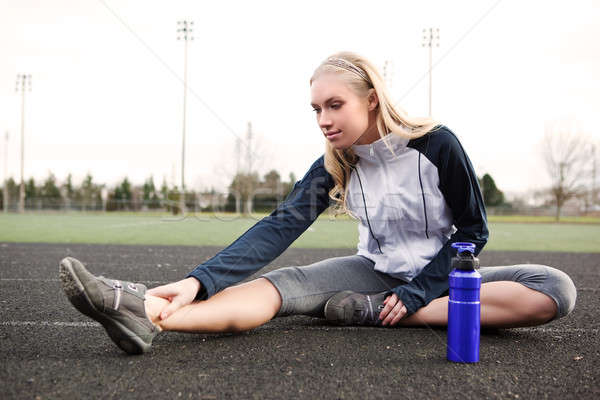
{"x":344,"y":118}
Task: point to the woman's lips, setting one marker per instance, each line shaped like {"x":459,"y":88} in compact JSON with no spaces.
{"x":333,"y":135}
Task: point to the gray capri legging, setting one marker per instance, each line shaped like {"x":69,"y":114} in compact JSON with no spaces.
{"x":305,"y":290}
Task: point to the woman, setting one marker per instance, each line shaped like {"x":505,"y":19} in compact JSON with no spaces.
{"x":412,"y":187}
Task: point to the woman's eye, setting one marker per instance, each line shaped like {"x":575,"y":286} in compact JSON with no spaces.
{"x":334,"y":106}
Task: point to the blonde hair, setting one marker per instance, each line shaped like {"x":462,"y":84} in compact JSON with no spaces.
{"x":390,"y":118}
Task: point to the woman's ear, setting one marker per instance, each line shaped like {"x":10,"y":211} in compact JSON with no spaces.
{"x":372,"y":99}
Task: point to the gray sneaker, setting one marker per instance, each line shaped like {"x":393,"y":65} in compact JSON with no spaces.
{"x":351,"y":308}
{"x":117,"y":305}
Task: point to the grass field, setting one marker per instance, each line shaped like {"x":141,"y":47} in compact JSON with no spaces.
{"x":210,"y":230}
{"x":542,"y":219}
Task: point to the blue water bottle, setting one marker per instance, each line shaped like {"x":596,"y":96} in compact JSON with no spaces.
{"x":463,"y":306}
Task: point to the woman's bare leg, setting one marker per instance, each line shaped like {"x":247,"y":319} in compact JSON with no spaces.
{"x":504,"y":304}
{"x":234,"y":309}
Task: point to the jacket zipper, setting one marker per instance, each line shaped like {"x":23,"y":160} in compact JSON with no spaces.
{"x":402,"y":239}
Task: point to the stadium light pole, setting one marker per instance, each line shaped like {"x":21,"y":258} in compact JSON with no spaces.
{"x":5,"y":191}
{"x":23,"y":85}
{"x":431,"y":37}
{"x":185,"y":30}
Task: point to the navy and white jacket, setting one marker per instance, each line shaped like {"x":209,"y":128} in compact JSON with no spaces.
{"x":418,"y":201}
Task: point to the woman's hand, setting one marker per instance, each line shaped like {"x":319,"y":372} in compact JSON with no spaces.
{"x":393,"y":311}
{"x":179,"y":294}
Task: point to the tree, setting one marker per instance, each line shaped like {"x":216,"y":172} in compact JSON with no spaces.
{"x":243,"y":189}
{"x":563,"y":150}
{"x":248,"y":156}
{"x":12,"y":190}
{"x":50,"y":193}
{"x":30,"y":192}
{"x":151,"y":199}
{"x":68,"y":188}
{"x":191,"y":200}
{"x":68,"y":191}
{"x":169,"y":197}
{"x":272,"y":180}
{"x":148,"y":189}
{"x":589,"y":197}
{"x":492,"y":196}
{"x":173,"y":203}
{"x":89,"y":194}
{"x":85,"y":191}
{"x":154,"y":201}
{"x":164,"y":190}
{"x":30,"y":189}
{"x":123,"y":195}
{"x":270,"y":192}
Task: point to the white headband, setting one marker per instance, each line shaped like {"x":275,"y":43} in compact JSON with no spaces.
{"x":348,"y":66}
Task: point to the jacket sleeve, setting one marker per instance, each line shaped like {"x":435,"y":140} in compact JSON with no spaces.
{"x":270,"y":236}
{"x":460,"y":187}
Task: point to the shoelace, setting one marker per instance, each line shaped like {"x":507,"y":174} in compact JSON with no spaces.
{"x":368,"y":314}
{"x":372,"y":314}
{"x":370,"y":311}
{"x":118,"y":289}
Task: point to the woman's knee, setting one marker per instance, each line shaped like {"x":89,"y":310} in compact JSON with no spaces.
{"x":258,"y":299}
{"x":558,"y":286}
{"x":550,"y":281}
{"x":564,"y":289}
{"x":543,"y":308}
{"x":272,"y":293}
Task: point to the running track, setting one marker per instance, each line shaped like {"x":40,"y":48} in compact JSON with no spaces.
{"x":49,"y":350}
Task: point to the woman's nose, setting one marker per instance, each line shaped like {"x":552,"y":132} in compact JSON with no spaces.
{"x":324,"y":120}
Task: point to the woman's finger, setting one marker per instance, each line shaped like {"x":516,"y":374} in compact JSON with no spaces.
{"x":170,"y":309}
{"x":399,"y":316}
{"x":389,"y":317}
{"x":394,"y":313}
{"x":164,"y":291}
{"x":389,"y":305}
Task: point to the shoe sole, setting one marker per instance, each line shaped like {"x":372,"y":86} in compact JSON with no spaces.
{"x":124,"y":338}
{"x":336,"y":313}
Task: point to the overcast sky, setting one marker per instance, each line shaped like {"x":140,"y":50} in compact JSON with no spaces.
{"x":107,"y":88}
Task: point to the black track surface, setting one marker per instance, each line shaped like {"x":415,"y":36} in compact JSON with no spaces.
{"x":49,"y":350}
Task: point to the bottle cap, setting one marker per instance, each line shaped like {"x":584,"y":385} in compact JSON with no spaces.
{"x":465,"y":258}
{"x":464,"y":246}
